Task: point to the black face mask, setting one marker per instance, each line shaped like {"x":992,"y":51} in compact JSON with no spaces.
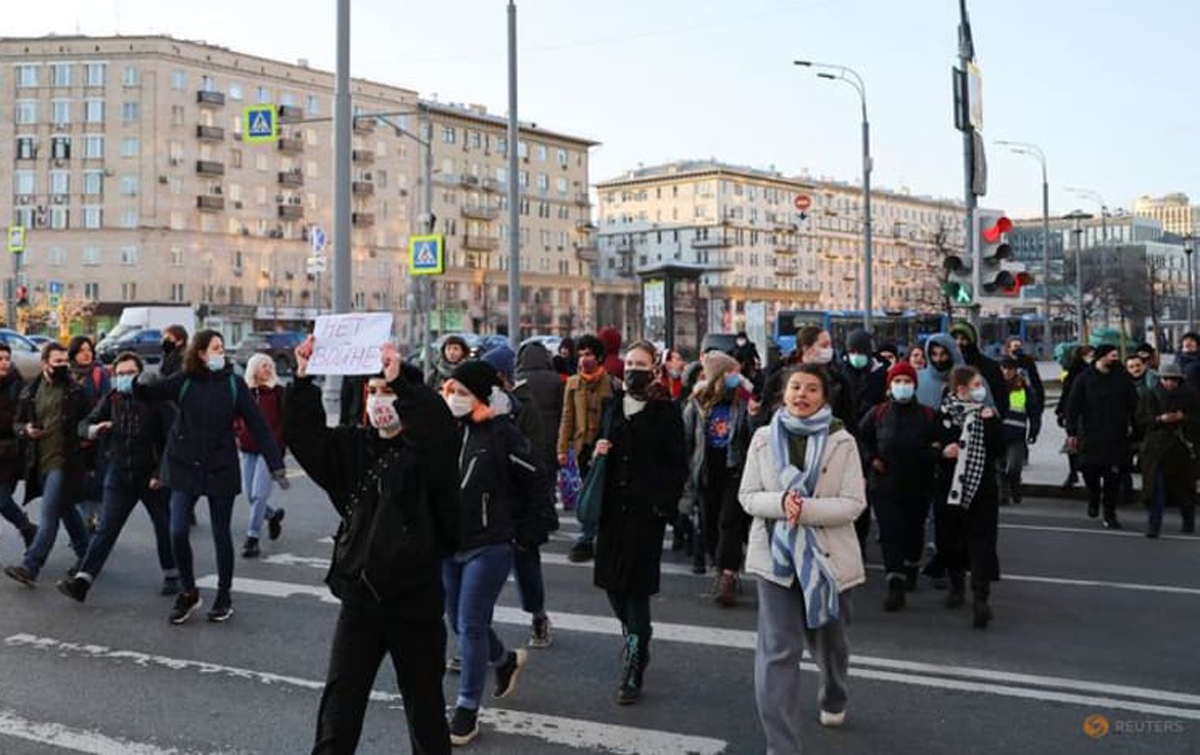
{"x":168,"y":346}
{"x":637,"y":381}
{"x":60,"y":373}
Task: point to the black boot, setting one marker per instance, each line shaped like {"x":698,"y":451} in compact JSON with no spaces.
{"x":895,"y":594}
{"x":956,"y":597}
{"x":982,"y":612}
{"x":910,"y":578}
{"x":1188,"y":512}
{"x":631,"y":675}
{"x":1093,"y":509}
{"x":1110,"y":518}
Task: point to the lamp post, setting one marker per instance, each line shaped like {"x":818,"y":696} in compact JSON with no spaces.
{"x":1191,"y":282}
{"x":514,"y":189}
{"x":1094,"y":196}
{"x":835,"y":72}
{"x":1034,"y":151}
{"x":1077,"y":217}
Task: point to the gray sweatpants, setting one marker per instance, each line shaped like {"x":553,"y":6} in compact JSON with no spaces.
{"x":782,"y":638}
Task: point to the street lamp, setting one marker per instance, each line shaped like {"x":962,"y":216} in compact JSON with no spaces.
{"x":1034,"y":151}
{"x":1094,"y":196}
{"x":836,"y":72}
{"x":1191,"y":292}
{"x":1077,"y":217}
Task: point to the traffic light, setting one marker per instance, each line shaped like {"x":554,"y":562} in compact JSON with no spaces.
{"x":990,"y":228}
{"x":22,"y":296}
{"x":957,"y":287}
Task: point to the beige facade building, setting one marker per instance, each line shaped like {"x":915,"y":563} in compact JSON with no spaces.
{"x":745,"y":229}
{"x":129,"y":168}
{"x":1174,"y":211}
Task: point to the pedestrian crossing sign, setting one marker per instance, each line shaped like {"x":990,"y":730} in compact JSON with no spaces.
{"x":259,"y":124}
{"x":16,"y":239}
{"x":427,"y":255}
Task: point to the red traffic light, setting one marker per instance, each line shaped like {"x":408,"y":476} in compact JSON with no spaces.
{"x":992,"y":234}
{"x":22,"y":292}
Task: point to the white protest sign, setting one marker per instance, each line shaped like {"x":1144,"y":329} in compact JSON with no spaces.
{"x":350,"y":344}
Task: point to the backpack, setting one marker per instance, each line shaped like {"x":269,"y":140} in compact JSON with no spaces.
{"x":187,"y":383}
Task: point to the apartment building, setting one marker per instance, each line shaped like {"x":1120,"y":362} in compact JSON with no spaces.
{"x":1175,"y":211}
{"x":470,"y":202}
{"x":758,"y":236}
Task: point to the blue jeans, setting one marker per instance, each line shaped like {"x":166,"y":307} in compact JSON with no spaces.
{"x":57,"y":505}
{"x":472,"y":588}
{"x":120,"y":496}
{"x":527,"y":565}
{"x":10,"y":509}
{"x":220,"y":511}
{"x":256,"y":483}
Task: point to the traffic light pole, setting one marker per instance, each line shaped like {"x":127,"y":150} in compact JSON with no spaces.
{"x":966,"y":54}
{"x":514,"y":189}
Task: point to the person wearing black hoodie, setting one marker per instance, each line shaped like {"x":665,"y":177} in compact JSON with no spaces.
{"x":867,"y":379}
{"x":967,"y":337}
{"x":174,"y":343}
{"x":394,"y":486}
{"x":11,"y":462}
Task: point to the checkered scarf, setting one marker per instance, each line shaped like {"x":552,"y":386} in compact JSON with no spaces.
{"x":972,"y":455}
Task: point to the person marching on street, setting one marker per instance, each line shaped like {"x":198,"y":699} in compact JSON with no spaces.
{"x":1081,"y":360}
{"x":671,"y":374}
{"x":1022,"y":425}
{"x":1188,"y":359}
{"x":899,"y":444}
{"x":1170,"y":418}
{"x":804,"y":487}
{"x":565,"y":361}
{"x":256,"y":475}
{"x":967,"y":338}
{"x":174,"y":343}
{"x":93,"y":379}
{"x":1101,"y":410}
{"x":1014,"y":347}
{"x":716,"y":435}
{"x":583,"y":395}
{"x":500,"y":486}
{"x":868,"y":384}
{"x":967,"y":505}
{"x":11,"y":461}
{"x":916,"y":357}
{"x":644,"y":478}
{"x":394,"y":485}
{"x":136,"y":433}
{"x":201,"y":460}
{"x":454,"y":352}
{"x":50,"y":410}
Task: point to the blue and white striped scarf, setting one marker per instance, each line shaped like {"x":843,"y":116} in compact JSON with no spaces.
{"x":794,"y":550}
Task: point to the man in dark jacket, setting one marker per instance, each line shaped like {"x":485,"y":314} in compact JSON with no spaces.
{"x":395,"y":487}
{"x":51,"y":408}
{"x":1101,"y":410}
{"x":539,"y":387}
{"x":1015,"y":348}
{"x":11,"y":461}
{"x":867,"y":377}
{"x":1170,"y":417}
{"x":1188,"y":359}
{"x":137,"y":437}
{"x":968,"y":345}
{"x":174,"y":342}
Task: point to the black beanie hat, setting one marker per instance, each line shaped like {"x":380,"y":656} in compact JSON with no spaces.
{"x":478,"y":377}
{"x":1103,"y":350}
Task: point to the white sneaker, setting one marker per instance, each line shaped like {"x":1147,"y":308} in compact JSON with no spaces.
{"x":832,"y":720}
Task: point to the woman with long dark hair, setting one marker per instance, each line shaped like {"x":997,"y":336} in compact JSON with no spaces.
{"x":202,"y":460}
{"x":93,"y":380}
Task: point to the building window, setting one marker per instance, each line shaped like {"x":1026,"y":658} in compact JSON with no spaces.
{"x":58,"y":257}
{"x":25,"y":182}
{"x":93,"y":182}
{"x":177,"y":292}
{"x":60,"y":182}
{"x":93,"y":147}
{"x":129,"y":111}
{"x":26,"y":111}
{"x":312,"y":105}
{"x":541,"y":152}
{"x":262,"y":95}
{"x":543,"y":182}
{"x":93,"y":111}
{"x":235,"y":91}
{"x":92,"y":217}
{"x":130,"y":76}
{"x":476,"y":140}
{"x":91,"y":256}
{"x":449,"y":135}
{"x":130,"y":146}
{"x":502,"y":145}
{"x":60,"y":148}
{"x":262,"y":162}
{"x":91,"y":291}
{"x":235,"y":158}
{"x":129,"y":255}
{"x":523,"y":179}
{"x":96,"y":73}
{"x":60,"y":218}
{"x":129,"y":292}
{"x":562,"y":157}
{"x":176,"y":257}
{"x":177,"y":114}
{"x":178,"y":79}
{"x":26,"y":148}
{"x":61,"y":112}
{"x":27,"y":76}
{"x":562,"y":187}
{"x":208,"y":84}
{"x":129,"y":218}
{"x":129,"y":186}
{"x":287,"y":99}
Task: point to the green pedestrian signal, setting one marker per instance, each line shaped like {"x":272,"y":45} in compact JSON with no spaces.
{"x":958,"y":293}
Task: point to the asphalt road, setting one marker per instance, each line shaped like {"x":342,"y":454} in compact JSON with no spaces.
{"x":1087,"y":623}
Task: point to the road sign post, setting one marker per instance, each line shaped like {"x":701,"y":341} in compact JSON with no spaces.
{"x":802,"y":202}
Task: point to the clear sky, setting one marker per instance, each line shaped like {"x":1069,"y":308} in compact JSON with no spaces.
{"x":1107,"y":87}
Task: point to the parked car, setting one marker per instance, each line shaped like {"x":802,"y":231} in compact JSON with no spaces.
{"x":40,"y":341}
{"x":27,"y":355}
{"x":280,"y":345}
{"x":145,"y":342}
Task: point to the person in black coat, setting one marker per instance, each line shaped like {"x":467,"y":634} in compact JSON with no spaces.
{"x":11,"y":459}
{"x":202,"y":460}
{"x":1101,"y":412}
{"x":174,"y":343}
{"x":646,"y":470}
{"x":539,"y":387}
{"x":1014,"y":347}
{"x":50,"y":410}
{"x":968,"y":345}
{"x":394,"y":486}
{"x":867,"y":376}
{"x":899,"y":442}
{"x":1081,"y":359}
{"x":136,"y":434}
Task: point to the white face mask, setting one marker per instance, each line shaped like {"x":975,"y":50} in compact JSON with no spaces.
{"x":979,"y":395}
{"x":460,"y":406}
{"x":500,"y":402}
{"x":825,"y":355}
{"x":381,"y":413}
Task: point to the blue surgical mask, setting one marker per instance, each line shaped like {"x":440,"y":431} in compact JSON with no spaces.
{"x":216,"y":363}
{"x":124,"y":383}
{"x":732,"y":381}
{"x":903,"y":391}
{"x":858,"y":361}
{"x":979,"y":394}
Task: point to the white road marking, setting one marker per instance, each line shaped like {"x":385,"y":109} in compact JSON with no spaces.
{"x":568,"y":732}
{"x":1097,"y":531}
{"x":75,"y":740}
{"x":870,"y":667}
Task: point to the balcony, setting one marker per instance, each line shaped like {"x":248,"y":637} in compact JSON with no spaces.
{"x":210,"y":133}
{"x":467,"y":179}
{"x":581,"y":199}
{"x":210,"y":203}
{"x":448,"y":179}
{"x":624,"y":248}
{"x":209,"y":168}
{"x":291,"y":211}
{"x":783,"y":248}
{"x":787,"y":268}
{"x":364,"y":125}
{"x":291,"y":146}
{"x":481,"y":243}
{"x":290,"y":113}
{"x":210,"y":99}
{"x":362,"y":188}
{"x":362,"y":156}
{"x":584,"y":226}
{"x":475,"y":212}
{"x":588,"y":253}
{"x":362,"y":219}
{"x":291,"y":178}
{"x":491,"y":184}
{"x":710,"y":243}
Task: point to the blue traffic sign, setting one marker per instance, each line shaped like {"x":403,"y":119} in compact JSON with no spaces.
{"x":427,"y":254}
{"x":55,"y":287}
{"x":260,"y":124}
